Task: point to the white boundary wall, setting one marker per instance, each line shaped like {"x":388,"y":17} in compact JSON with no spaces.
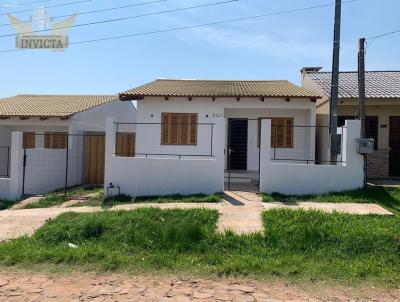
{"x":11,"y":188}
{"x":301,"y":179}
{"x":165,"y":176}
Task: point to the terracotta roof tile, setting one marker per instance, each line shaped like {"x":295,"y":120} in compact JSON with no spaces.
{"x":50,"y":105}
{"x":207,"y":88}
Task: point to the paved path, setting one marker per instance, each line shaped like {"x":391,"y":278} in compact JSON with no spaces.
{"x":240,"y":212}
{"x":37,"y":287}
{"x":329,"y":207}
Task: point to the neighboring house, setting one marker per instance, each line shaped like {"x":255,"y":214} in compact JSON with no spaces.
{"x":192,"y":136}
{"x":382,"y":112}
{"x":52,"y":124}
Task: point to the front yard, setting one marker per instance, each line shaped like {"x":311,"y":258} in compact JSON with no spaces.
{"x":94,"y":197}
{"x":389,"y":198}
{"x":295,"y":245}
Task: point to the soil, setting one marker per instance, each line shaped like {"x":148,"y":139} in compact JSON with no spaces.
{"x":28,"y":286}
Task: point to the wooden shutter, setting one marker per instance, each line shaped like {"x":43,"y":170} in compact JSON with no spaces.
{"x":55,"y":140}
{"x":282,"y":133}
{"x":193,"y":129}
{"x":125,"y":144}
{"x":29,"y":140}
{"x":165,"y":127}
{"x":179,"y":128}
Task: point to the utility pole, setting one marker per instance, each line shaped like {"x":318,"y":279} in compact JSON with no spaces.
{"x":335,"y":82}
{"x":361,"y":97}
{"x":361,"y":84}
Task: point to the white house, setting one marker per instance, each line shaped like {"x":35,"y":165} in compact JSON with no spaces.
{"x":196,"y":136}
{"x":51,"y":125}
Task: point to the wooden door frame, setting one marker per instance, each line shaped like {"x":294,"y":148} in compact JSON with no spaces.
{"x":85,"y":150}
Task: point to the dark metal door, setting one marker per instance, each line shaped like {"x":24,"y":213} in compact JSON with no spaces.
{"x":237,"y":147}
{"x":394,"y":145}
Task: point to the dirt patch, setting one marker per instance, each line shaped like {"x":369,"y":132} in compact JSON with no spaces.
{"x":85,"y":287}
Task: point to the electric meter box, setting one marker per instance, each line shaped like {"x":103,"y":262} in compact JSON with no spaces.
{"x":366,"y":145}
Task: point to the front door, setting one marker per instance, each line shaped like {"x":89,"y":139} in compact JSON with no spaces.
{"x":394,"y":145}
{"x":237,"y":142}
{"x":94,"y":159}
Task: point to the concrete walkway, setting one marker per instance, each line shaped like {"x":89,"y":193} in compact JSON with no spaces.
{"x":240,"y":212}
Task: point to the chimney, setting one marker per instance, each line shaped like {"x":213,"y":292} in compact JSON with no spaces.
{"x":310,"y":69}
{"x":306,"y":70}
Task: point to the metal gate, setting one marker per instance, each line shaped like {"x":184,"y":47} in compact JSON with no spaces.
{"x":243,"y":155}
{"x":57,"y":161}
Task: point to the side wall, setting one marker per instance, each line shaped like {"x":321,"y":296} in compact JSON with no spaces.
{"x":299,"y":179}
{"x":11,"y":187}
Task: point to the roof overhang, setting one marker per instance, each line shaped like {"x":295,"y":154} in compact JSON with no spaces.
{"x":135,"y":97}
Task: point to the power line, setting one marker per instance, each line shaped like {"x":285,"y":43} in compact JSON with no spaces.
{"x":99,"y":10}
{"x":126,"y":18}
{"x":26,"y":3}
{"x":198,"y":25}
{"x":45,"y":7}
{"x":383,"y":35}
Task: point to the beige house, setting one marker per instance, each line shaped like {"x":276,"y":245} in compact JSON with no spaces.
{"x":382,"y":112}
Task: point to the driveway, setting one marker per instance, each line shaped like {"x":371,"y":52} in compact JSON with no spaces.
{"x":240,"y":212}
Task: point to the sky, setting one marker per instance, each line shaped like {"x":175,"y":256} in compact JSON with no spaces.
{"x":270,"y":48}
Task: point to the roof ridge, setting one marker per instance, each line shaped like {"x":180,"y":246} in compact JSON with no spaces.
{"x":203,"y":80}
{"x":68,"y":95}
{"x":355,"y":71}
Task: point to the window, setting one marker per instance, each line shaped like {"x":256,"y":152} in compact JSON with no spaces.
{"x":371,"y":126}
{"x":281,"y":132}
{"x":55,"y":140}
{"x":125,"y":144}
{"x":29,"y":140}
{"x":179,"y":129}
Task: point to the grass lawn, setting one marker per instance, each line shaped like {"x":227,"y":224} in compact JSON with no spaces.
{"x":296,"y":245}
{"x":124,"y":199}
{"x":57,"y":198}
{"x":4,"y":204}
{"x":389,"y":198}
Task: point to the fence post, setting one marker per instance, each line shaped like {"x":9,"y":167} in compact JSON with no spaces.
{"x":265,"y":153}
{"x":110,"y":150}
{"x":218,"y":139}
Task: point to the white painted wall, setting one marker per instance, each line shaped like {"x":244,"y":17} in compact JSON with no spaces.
{"x":300,"y":179}
{"x":94,"y":119}
{"x":11,"y":187}
{"x":165,"y":176}
{"x":150,"y":110}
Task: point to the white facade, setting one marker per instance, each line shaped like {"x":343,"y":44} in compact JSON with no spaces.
{"x":150,"y":110}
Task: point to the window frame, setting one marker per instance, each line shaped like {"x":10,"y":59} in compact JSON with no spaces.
{"x":273,"y":145}
{"x":29,"y":144}
{"x":51,"y":140}
{"x":167,"y":125}
{"x":133,"y":147}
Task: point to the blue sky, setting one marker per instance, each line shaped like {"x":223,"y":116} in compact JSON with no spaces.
{"x":270,"y":48}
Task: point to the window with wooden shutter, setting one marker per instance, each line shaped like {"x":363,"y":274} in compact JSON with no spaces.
{"x":125,"y":144}
{"x":281,"y":132}
{"x":179,"y":129}
{"x":29,"y":140}
{"x":55,"y":140}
